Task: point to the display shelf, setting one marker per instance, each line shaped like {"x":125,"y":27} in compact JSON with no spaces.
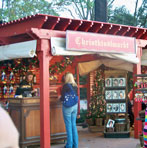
{"x":116,"y":105}
{"x":140,"y":119}
{"x":125,"y":134}
{"x":141,"y":89}
{"x":141,"y":75}
{"x":116,"y":101}
{"x":116,"y":113}
{"x":115,"y":88}
{"x":141,"y":92}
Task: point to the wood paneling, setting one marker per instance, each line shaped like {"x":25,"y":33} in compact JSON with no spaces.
{"x":57,"y":122}
{"x":32,"y":123}
{"x":25,"y":112}
{"x":15,"y":115}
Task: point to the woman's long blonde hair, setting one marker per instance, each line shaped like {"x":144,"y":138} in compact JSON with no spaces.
{"x":69,"y":78}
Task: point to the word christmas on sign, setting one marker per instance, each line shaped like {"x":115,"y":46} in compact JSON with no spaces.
{"x":96,"y":42}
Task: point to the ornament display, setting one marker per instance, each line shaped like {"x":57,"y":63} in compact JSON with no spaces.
{"x":11,"y":77}
{"x":5,"y":91}
{"x":11,"y":91}
{"x":1,"y":92}
{"x":59,"y":67}
{"x":3,"y":77}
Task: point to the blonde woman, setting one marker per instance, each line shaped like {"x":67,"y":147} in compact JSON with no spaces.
{"x":70,"y":113}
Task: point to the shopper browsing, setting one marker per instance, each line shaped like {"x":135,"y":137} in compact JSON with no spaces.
{"x":70,"y":113}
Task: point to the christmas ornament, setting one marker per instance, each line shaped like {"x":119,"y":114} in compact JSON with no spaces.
{"x":3,"y":77}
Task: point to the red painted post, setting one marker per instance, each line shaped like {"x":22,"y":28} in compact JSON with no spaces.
{"x":88,"y":90}
{"x":78,"y":91}
{"x":43,"y":53}
{"x":137,"y":105}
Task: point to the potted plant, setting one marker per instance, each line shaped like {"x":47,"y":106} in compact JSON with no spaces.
{"x":89,"y":119}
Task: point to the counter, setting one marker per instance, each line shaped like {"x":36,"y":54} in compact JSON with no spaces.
{"x":25,"y":112}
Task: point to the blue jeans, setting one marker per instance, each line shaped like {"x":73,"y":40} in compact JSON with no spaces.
{"x":70,"y":115}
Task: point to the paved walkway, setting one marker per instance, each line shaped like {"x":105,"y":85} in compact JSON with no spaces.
{"x":97,"y":140}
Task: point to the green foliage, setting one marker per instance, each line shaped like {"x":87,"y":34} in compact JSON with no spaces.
{"x":97,"y":102}
{"x":142,"y":15}
{"x":121,"y":16}
{"x":84,"y":9}
{"x":81,"y":9}
{"x":15,"y":9}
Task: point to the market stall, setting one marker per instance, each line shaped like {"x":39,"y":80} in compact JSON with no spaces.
{"x":43,"y":27}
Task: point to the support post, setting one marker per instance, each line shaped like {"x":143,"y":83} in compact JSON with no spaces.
{"x":88,"y":90}
{"x":78,"y":91}
{"x":137,"y":105}
{"x":43,"y":49}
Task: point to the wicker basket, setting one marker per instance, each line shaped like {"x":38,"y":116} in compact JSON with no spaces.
{"x":141,"y":140}
{"x":99,"y":121}
{"x":120,"y":127}
{"x":142,"y":114}
{"x":90,"y":121}
{"x":110,"y":129}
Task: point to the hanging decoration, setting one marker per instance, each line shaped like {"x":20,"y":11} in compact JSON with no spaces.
{"x":3,"y":77}
{"x":11,"y":91}
{"x":59,"y":67}
{"x":19,"y":65}
{"x":5,"y":91}
{"x":23,"y":65}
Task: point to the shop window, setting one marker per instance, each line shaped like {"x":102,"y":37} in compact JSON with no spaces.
{"x":83,"y":80}
{"x":83,"y":93}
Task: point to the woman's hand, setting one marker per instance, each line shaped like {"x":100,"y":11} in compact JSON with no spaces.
{"x":78,"y":116}
{"x":34,"y":90}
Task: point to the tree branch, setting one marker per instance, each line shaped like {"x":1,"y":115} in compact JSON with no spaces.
{"x":110,"y":3}
{"x":82,"y":8}
{"x":71,"y":13}
{"x":135,"y":12}
{"x":78,"y":9}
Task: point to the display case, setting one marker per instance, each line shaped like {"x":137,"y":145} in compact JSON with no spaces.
{"x":141,"y":96}
{"x":116,"y":123}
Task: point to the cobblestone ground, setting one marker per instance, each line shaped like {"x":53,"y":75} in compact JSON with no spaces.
{"x":97,"y":140}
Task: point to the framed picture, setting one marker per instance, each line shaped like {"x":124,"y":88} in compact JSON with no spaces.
{"x":108,"y":95}
{"x":122,"y":94}
{"x":122,"y":107}
{"x":115,"y":82}
{"x":83,"y":105}
{"x":115,"y":94}
{"x":108,"y":82}
{"x":109,"y":107}
{"x":122,"y":82}
{"x":115,"y":107}
{"x":110,"y":123}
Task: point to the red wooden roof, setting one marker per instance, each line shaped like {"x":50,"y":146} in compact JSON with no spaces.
{"x":19,"y":30}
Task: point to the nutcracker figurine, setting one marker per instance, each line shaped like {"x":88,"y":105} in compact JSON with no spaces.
{"x":0,"y":92}
{"x":11,"y":77}
{"x":5,"y":91}
{"x":11,"y":91}
{"x":3,"y":77}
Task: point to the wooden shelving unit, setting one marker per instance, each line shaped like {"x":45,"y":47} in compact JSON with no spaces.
{"x":114,"y":103}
